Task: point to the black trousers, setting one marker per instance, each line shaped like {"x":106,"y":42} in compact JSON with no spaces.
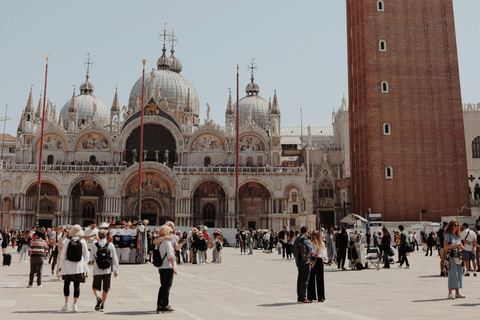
{"x":284,"y":249}
{"x":302,"y":282}
{"x":54,"y":256}
{"x":166,"y":280}
{"x":316,"y":285}
{"x":36,"y":264}
{"x":341,"y":254}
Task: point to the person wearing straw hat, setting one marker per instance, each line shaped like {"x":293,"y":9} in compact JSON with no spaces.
{"x":73,"y":265}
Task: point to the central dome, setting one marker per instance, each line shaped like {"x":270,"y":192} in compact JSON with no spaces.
{"x":257,"y":105}
{"x":175,"y":87}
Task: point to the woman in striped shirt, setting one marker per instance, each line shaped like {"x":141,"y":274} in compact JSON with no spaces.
{"x":38,"y":248}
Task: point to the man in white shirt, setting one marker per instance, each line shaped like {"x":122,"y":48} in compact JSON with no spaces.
{"x":469,"y":239}
{"x":103,"y":275}
{"x":91,"y":236}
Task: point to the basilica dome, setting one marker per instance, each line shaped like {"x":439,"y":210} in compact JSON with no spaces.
{"x":257,"y":105}
{"x":88,"y":106}
{"x":174,"y":87}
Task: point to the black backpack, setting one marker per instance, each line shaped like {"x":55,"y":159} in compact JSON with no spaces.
{"x":157,"y":258}
{"x":104,"y":260}
{"x":74,"y":250}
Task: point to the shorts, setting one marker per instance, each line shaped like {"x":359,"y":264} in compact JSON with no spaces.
{"x":468,"y":255}
{"x":98,"y":279}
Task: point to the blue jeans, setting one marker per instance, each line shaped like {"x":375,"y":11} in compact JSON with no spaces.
{"x":201,"y":256}
{"x":24,"y":252}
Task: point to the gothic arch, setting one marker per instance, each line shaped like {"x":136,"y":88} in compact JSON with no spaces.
{"x":51,"y":130}
{"x":262,"y":183}
{"x":210,"y":179}
{"x":87,"y":177}
{"x":293,"y":185}
{"x":99,"y":131}
{"x":262,"y":139}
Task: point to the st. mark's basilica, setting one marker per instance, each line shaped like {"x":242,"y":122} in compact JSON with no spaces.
{"x":287,"y":175}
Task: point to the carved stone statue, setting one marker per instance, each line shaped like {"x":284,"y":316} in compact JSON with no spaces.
{"x":208,"y":111}
{"x":167,"y":152}
{"x":135,"y":154}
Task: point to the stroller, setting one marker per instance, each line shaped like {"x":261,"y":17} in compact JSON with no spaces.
{"x":356,"y":252}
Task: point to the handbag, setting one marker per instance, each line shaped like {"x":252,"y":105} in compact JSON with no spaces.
{"x":391,"y":253}
{"x":409,"y":247}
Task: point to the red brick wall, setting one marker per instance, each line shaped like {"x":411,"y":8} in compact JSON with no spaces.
{"x":427,"y":146}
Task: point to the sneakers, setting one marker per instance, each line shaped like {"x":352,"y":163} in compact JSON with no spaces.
{"x":407,"y":267}
{"x":102,"y":308}
{"x":304,"y":301}
{"x":40,"y":286}
{"x":74,"y":309}
{"x":65,"y":307}
{"x":400,"y":266}
{"x":467,"y":274}
{"x":29,"y":286}
{"x":474,"y":274}
{"x":451,"y":296}
{"x":459,"y":295}
{"x":99,"y":302}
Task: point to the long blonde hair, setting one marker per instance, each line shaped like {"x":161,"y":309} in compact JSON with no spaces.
{"x":317,"y":239}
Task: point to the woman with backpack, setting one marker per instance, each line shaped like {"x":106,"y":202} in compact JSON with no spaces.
{"x":73,"y":265}
{"x":167,"y":270}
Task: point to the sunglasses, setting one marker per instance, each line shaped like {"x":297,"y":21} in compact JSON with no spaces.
{"x":455,"y":225}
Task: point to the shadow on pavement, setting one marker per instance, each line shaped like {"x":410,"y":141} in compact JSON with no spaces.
{"x":50,"y":311}
{"x":279,"y":304}
{"x":430,"y":300}
{"x":130,"y":313}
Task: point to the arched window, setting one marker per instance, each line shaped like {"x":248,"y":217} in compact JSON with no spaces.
{"x":384,"y":87}
{"x":380,"y":5}
{"x":46,"y":206}
{"x":387,"y":129}
{"x":93,"y":159}
{"x":382,"y":45}
{"x":206,"y":161}
{"x":476,"y":147}
{"x":88,"y":210}
{"x":388,"y":172}
{"x":209,"y":212}
{"x":50,"y":159}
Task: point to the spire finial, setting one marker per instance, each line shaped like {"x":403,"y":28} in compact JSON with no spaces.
{"x":31,"y":87}
{"x":252,"y":67}
{"x":172,"y":39}
{"x":164,"y":35}
{"x":88,"y":62}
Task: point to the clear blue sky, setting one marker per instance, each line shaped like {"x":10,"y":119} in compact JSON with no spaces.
{"x":299,"y":47}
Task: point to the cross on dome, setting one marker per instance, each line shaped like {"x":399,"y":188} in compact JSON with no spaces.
{"x":164,"y":34}
{"x":88,"y":62}
{"x":172,"y":39}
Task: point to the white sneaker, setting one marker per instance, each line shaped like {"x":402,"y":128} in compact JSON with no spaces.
{"x":40,"y":286}
{"x":65,"y":307}
{"x":74,"y":309}
{"x":400,"y":266}
{"x":459,"y":295}
{"x":451,"y":296}
{"x":407,"y":267}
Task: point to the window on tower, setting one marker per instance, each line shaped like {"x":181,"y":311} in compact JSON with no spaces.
{"x":387,"y":130}
{"x":476,"y":147}
{"x":382,"y":45}
{"x":384,"y":87}
{"x":380,"y":5}
{"x":388,"y":172}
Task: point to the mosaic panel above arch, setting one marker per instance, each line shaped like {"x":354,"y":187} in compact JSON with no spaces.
{"x":88,"y":187}
{"x":253,"y":190}
{"x":207,"y":142}
{"x":52,"y":141}
{"x":46,"y":188}
{"x":251,"y":143}
{"x":209,"y":189}
{"x":152,"y":182}
{"x":93,"y":141}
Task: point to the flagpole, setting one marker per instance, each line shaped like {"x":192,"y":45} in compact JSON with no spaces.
{"x":39,"y":181}
{"x":139,"y":218}
{"x":237,"y":169}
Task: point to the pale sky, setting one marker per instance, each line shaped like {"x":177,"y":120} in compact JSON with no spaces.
{"x":299,"y":48}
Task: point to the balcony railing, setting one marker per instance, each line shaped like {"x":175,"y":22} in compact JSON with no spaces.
{"x":62,"y":167}
{"x":244,"y":170}
{"x":176,"y":169}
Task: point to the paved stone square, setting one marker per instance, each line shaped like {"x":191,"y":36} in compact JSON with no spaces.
{"x":261,"y":286}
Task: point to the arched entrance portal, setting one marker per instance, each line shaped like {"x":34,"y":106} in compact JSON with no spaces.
{"x":86,"y":200}
{"x":48,"y":200}
{"x":156,"y":141}
{"x":209,"y":211}
{"x":254,"y":200}
{"x":209,"y":205}
{"x":157,"y":198}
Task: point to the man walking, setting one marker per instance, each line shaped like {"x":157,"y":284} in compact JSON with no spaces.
{"x":302,"y":250}
{"x":469,"y":240}
{"x":105,"y":261}
{"x":282,"y":237}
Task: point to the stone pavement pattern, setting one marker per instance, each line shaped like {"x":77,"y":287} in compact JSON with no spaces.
{"x":260,"y":286}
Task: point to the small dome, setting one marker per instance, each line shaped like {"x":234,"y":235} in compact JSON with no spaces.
{"x":86,"y":87}
{"x":252,"y":88}
{"x":259,"y":109}
{"x":175,"y":64}
{"x":163,"y":63}
{"x":86,"y":105}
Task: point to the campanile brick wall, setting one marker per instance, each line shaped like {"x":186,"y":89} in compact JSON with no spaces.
{"x":426,"y":148}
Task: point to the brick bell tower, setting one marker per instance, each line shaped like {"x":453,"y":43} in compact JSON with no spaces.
{"x":407,"y":139}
